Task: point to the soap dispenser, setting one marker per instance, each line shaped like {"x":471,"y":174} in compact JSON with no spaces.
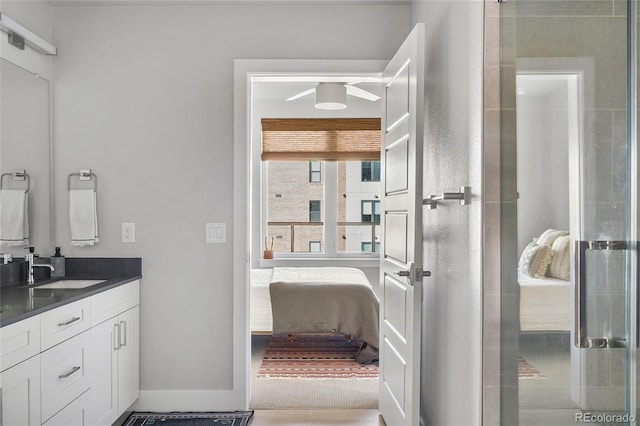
{"x":57,"y":260}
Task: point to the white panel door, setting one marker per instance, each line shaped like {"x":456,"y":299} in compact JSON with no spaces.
{"x":401,"y":262}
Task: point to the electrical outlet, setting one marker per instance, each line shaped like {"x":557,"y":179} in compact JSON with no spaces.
{"x":128,"y":233}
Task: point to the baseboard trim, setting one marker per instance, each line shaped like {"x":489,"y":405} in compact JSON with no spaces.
{"x":190,"y":400}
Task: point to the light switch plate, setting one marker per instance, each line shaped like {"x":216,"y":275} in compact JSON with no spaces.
{"x":216,"y":232}
{"x":128,"y":233}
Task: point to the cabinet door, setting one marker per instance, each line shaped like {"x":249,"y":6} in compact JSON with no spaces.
{"x":21,"y":394}
{"x":103,"y":370}
{"x":129,"y":358}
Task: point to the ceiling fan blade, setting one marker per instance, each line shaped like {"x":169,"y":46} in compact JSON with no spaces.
{"x":360,"y":93}
{"x":301,"y":94}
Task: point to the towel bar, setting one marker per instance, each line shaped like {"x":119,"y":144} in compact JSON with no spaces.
{"x":83,"y":175}
{"x":17,"y":175}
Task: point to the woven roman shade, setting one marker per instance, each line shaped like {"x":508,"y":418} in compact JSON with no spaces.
{"x":329,"y":139}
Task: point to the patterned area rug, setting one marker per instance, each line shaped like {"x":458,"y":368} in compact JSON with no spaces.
{"x":314,"y":357}
{"x":234,"y":418}
{"x":528,"y":371}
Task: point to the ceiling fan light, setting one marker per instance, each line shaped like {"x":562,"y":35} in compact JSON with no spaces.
{"x":331,"y":96}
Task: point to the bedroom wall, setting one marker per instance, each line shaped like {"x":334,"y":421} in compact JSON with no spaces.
{"x":451,"y":378}
{"x":543,"y":163}
{"x":144,"y":97}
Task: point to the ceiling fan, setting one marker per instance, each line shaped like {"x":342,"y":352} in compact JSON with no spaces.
{"x":333,"y":96}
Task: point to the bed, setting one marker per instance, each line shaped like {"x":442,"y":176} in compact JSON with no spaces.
{"x":545,"y":304}
{"x":326,"y":300}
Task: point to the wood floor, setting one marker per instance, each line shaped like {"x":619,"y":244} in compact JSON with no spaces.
{"x":316,"y":418}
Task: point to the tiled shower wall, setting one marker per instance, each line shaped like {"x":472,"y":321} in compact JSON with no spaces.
{"x":595,"y":31}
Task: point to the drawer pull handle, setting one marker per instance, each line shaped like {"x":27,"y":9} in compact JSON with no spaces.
{"x":71,"y":321}
{"x":65,"y":375}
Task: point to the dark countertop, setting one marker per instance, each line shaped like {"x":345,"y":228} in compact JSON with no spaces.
{"x":19,"y":301}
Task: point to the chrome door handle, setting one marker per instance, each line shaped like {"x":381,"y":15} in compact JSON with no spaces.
{"x":408,"y":273}
{"x":580,"y":295}
{"x":123,"y":323}
{"x":464,"y":196}
{"x":116,"y":336}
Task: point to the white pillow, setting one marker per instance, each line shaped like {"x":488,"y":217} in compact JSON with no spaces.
{"x":561,"y":258}
{"x":535,"y":260}
{"x":549,"y":236}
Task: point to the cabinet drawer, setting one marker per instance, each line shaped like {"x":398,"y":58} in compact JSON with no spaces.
{"x":19,"y":341}
{"x":110,"y":303}
{"x":74,"y":414}
{"x":64,"y":322}
{"x":64,"y":374}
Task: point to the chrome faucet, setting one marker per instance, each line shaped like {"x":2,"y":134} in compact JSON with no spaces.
{"x":30,"y":265}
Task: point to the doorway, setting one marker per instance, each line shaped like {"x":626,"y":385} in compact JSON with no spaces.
{"x":269,"y":79}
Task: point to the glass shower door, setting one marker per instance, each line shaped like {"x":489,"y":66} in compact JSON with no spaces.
{"x":568,"y":131}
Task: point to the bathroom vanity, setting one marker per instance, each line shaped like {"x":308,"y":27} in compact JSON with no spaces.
{"x":69,"y":348}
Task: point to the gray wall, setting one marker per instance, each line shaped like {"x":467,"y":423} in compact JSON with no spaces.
{"x":452,"y":299}
{"x":144,"y":97}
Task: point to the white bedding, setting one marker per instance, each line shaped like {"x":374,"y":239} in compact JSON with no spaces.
{"x":325,"y":299}
{"x":545,"y":304}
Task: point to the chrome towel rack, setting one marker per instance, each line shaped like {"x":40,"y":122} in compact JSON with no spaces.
{"x":85,"y":175}
{"x":464,"y":196}
{"x":18,"y":175}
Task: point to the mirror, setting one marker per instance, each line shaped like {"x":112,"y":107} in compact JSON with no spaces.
{"x":25,"y":144}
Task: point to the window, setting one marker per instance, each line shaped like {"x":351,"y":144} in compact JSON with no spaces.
{"x":370,"y":171}
{"x":365,"y":246}
{"x":370,"y":211}
{"x":321,"y":219}
{"x":314,"y":211}
{"x":315,"y":174}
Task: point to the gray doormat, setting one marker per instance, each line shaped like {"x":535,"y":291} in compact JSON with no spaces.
{"x":232,"y":418}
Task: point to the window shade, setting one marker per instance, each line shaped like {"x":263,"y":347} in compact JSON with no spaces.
{"x":329,"y":139}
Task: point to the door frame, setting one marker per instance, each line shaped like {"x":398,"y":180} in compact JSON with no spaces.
{"x":244,"y":71}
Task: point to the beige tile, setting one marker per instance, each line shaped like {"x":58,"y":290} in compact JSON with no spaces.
{"x":282,"y":418}
{"x":347,"y":417}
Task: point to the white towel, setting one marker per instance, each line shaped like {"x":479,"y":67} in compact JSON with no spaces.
{"x":83,"y":217}
{"x":14,"y":217}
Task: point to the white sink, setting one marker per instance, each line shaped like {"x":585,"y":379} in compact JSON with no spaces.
{"x":70,"y":284}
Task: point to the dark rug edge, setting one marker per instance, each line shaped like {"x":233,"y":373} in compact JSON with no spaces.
{"x":244,"y":416}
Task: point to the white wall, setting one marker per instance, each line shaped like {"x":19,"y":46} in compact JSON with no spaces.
{"x":144,"y":97}
{"x":451,"y":379}
{"x":543,"y":161}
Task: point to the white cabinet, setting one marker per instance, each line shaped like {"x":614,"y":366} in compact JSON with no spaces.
{"x":77,"y":364}
{"x":74,"y":414}
{"x":19,"y":341}
{"x":64,"y":374}
{"x":21,"y":393}
{"x":115,"y":357}
{"x":60,"y":324}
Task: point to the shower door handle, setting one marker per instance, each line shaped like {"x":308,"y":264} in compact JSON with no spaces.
{"x":581,"y":339}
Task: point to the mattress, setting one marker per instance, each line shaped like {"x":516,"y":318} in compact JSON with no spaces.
{"x":545,"y":304}
{"x":325,"y":300}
